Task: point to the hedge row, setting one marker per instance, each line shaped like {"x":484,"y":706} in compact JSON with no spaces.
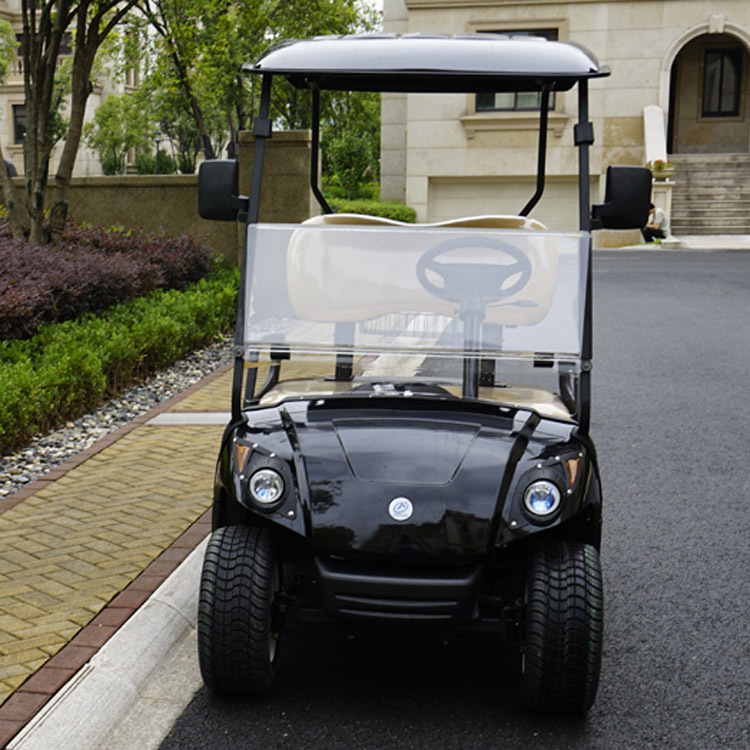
{"x":397,"y":211}
{"x":67,"y":369}
{"x":89,"y":271}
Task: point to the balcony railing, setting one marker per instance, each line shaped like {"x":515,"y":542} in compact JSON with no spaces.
{"x":16,"y":66}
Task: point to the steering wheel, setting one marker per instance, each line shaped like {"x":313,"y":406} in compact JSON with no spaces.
{"x":474,"y":282}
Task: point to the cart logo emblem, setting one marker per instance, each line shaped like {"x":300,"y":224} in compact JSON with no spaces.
{"x":400,"y":509}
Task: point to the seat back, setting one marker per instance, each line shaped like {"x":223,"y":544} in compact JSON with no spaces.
{"x":348,"y":267}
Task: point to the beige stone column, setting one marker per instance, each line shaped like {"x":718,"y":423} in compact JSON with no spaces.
{"x":286,"y":196}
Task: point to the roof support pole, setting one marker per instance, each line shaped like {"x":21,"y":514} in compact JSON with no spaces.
{"x":541,"y":159}
{"x":261,"y":131}
{"x":316,"y":152}
{"x":584,"y":137}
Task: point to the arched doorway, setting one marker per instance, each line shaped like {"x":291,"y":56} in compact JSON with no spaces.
{"x":709,"y":97}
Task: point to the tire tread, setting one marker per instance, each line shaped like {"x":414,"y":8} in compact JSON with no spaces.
{"x":234,"y":611}
{"x":564,"y":628}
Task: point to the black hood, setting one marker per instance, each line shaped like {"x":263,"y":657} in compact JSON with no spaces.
{"x":414,"y":478}
{"x":423,"y":484}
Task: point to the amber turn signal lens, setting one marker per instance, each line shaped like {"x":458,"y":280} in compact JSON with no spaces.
{"x":241,"y":452}
{"x":572,"y":465}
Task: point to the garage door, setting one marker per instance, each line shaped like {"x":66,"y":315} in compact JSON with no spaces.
{"x":558,"y":208}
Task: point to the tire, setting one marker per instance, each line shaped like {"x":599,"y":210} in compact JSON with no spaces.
{"x":237,"y":647}
{"x":564,"y":617}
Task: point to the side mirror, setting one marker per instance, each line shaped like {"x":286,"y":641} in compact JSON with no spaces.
{"x":218,"y":198}
{"x":626,"y":200}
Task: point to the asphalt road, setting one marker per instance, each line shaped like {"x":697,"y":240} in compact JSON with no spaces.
{"x":672,"y":423}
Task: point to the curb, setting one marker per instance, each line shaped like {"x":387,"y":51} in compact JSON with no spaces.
{"x":100,"y":695}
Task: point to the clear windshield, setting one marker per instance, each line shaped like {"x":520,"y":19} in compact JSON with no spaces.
{"x":397,"y":303}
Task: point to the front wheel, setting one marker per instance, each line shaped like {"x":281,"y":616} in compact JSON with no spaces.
{"x":564,"y":616}
{"x":237,"y":645}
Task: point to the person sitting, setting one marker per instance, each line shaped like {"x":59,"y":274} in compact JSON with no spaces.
{"x":657,"y":226}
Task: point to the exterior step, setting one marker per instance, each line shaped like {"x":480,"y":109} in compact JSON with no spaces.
{"x":711,"y":194}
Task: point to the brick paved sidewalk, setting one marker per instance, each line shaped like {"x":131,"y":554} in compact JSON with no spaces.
{"x":83,"y":547}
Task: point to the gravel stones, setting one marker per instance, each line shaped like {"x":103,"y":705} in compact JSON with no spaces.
{"x":47,"y":451}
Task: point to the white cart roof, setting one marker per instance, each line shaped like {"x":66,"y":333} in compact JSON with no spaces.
{"x":429,"y":63}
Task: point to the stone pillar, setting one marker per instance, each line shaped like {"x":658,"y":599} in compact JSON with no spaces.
{"x":393,"y":117}
{"x":654,"y":134}
{"x":286,"y":196}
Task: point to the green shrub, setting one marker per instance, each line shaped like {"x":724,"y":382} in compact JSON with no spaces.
{"x":67,"y":369}
{"x":113,"y":163}
{"x":367,"y":191}
{"x":186,"y":163}
{"x":350,"y":159}
{"x":146,"y":163}
{"x":397,"y":211}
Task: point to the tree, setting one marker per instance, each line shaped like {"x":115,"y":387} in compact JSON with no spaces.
{"x":182,"y":28}
{"x":205,"y":43}
{"x":347,"y":113}
{"x":350,"y":161}
{"x":8,"y":47}
{"x":45,"y":25}
{"x":180,"y":128}
{"x":120,"y":123}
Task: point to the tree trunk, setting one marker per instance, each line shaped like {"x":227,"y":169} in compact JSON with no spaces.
{"x":80,"y":90}
{"x":195,"y":107}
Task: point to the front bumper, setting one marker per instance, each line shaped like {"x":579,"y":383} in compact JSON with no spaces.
{"x":380,"y":594}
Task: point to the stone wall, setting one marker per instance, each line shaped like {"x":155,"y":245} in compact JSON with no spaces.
{"x":160,"y":203}
{"x":169,"y":203}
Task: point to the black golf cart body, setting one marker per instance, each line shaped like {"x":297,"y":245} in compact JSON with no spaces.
{"x":409,"y":442}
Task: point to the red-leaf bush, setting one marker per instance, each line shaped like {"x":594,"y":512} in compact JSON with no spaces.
{"x":89,"y":271}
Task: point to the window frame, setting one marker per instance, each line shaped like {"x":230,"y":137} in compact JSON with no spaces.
{"x":66,"y":45}
{"x":19,"y":120}
{"x":551,"y":33}
{"x":725,"y":53}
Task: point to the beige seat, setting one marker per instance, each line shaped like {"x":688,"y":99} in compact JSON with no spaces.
{"x":339,"y":275}
{"x":490,"y":221}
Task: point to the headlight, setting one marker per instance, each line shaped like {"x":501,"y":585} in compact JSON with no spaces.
{"x":266,"y":487}
{"x":542,"y":498}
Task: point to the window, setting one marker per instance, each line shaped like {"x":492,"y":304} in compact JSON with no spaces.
{"x":722,"y":75}
{"x":131,"y":77}
{"x":66,"y":43}
{"x":517,"y":101}
{"x":19,"y":123}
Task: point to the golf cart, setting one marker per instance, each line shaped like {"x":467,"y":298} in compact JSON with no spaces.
{"x":409,"y":441}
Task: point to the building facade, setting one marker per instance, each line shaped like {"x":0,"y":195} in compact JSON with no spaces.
{"x":13,"y":111}
{"x":679,"y":88}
